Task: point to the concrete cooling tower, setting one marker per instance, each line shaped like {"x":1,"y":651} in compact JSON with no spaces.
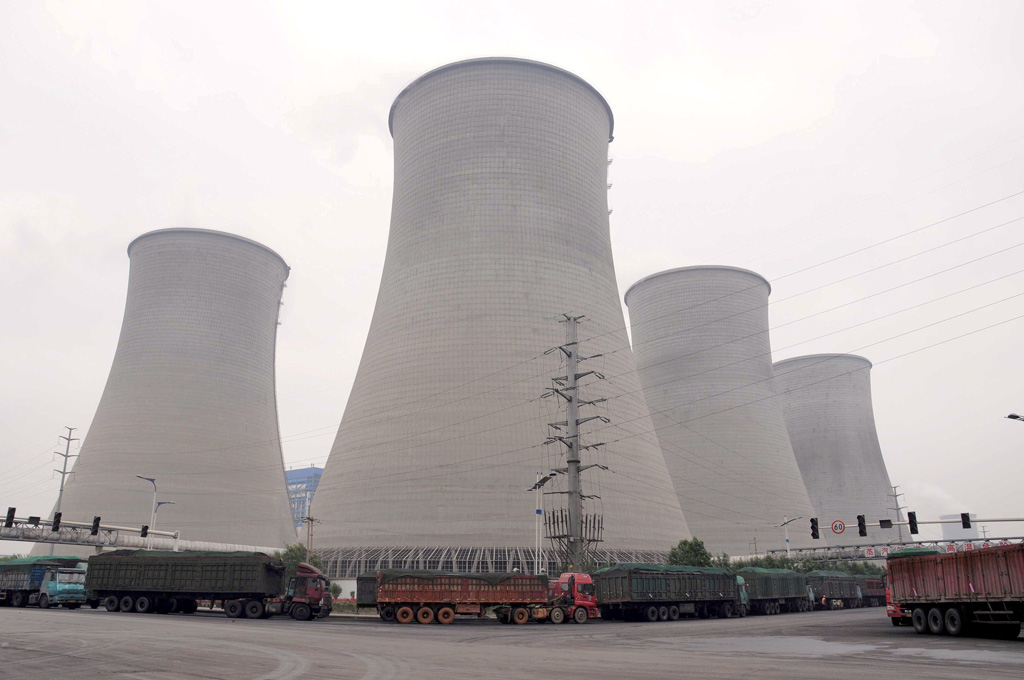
{"x":826,"y":399}
{"x":190,"y":398}
{"x":499,"y":226}
{"x":700,"y":338}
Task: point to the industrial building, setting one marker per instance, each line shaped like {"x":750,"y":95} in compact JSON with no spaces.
{"x":700,"y":338}
{"x":188,"y":417}
{"x":302,"y":484}
{"x":499,"y":226}
{"x":826,"y":400}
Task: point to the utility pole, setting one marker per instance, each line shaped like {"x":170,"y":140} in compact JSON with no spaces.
{"x":64,"y":468}
{"x":899,"y":517}
{"x":984,"y":532}
{"x":309,"y":521}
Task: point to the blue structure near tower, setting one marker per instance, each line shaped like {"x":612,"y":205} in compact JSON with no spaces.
{"x":301,"y":485}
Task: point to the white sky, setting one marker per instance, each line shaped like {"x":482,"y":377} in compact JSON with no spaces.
{"x":768,"y":135}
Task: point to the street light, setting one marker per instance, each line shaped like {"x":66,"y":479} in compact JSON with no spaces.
{"x":785,"y":524}
{"x":159,"y":503}
{"x":152,"y":514}
{"x":1014,"y":416}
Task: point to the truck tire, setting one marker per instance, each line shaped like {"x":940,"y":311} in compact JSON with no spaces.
{"x":187,"y":606}
{"x":673,"y":613}
{"x":425,"y":615}
{"x":254,"y":609}
{"x":954,"y":622}
{"x":94,"y":604}
{"x":936,"y":621}
{"x":663,"y":613}
{"x":520,"y":615}
{"x":19,"y":600}
{"x":558,"y":615}
{"x":727,"y":610}
{"x":110,"y":603}
{"x":445,"y":615}
{"x":44,"y":601}
{"x":920,"y":620}
{"x":234,"y":609}
{"x":126,"y":603}
{"x":143,"y":604}
{"x":651,"y":614}
{"x":404,"y":614}
{"x":387,"y":614}
{"x":302,"y":612}
{"x":580,"y":615}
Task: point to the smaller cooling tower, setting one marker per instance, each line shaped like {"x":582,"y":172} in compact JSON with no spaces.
{"x":700,"y":337}
{"x":826,"y":400}
{"x":190,"y":398}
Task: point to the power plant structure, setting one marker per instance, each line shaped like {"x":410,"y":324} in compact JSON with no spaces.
{"x":499,"y":227}
{"x":700,"y":338}
{"x":826,"y":400}
{"x":186,"y":431}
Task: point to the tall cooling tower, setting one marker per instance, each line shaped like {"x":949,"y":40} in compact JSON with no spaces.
{"x":190,"y":398}
{"x":826,"y":399}
{"x":700,"y":338}
{"x":499,"y":226}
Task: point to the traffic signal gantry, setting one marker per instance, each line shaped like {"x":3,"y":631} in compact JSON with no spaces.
{"x":838,"y":526}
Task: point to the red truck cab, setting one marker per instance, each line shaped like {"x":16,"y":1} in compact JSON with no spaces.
{"x":310,"y":587}
{"x":574,"y":591}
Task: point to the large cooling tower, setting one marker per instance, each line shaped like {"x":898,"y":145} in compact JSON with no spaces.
{"x":499,"y":226}
{"x":700,"y":338}
{"x":190,"y":398}
{"x":826,"y":399}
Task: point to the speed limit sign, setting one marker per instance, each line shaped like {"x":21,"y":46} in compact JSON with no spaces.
{"x":838,"y":527}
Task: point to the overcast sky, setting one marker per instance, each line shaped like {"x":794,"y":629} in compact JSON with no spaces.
{"x":768,"y":135}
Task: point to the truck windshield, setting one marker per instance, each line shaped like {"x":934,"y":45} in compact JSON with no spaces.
{"x":70,"y":577}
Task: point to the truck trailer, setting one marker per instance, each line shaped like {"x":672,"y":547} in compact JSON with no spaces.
{"x":773,"y":591}
{"x":250,"y":585}
{"x":657,"y":592}
{"x":44,"y":581}
{"x":834,"y":590}
{"x":428,"y":596}
{"x":976,"y":592}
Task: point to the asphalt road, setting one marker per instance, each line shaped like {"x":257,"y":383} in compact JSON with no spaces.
{"x":858,"y":643}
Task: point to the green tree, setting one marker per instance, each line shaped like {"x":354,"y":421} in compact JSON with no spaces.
{"x":294,"y":554}
{"x":335,"y":590}
{"x":691,"y":553}
{"x":8,"y":558}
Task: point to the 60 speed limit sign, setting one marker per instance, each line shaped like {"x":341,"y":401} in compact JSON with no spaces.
{"x":838,"y":527}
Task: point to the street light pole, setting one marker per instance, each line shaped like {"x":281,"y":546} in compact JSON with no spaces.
{"x":152,"y":514}
{"x":152,"y":526}
{"x":785,"y":524}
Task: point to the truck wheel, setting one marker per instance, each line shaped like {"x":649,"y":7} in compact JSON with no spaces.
{"x":404,"y":614}
{"x":19,"y":600}
{"x":557,"y":615}
{"x":920,"y":620}
{"x":387,"y":614}
{"x":187,"y":606}
{"x":425,"y":615}
{"x":663,"y":613}
{"x":302,"y":612}
{"x":651,"y":614}
{"x":673,"y":613}
{"x":445,"y":615}
{"x":520,"y":616}
{"x":254,"y":609}
{"x":233,"y":609}
{"x":727,"y":610}
{"x":1006,"y":631}
{"x":954,"y":622}
{"x":580,"y":615}
{"x":44,"y":601}
{"x":936,"y":625}
{"x":110,"y":603}
{"x":94,"y":604}
{"x":143,"y":604}
{"x":126,"y":603}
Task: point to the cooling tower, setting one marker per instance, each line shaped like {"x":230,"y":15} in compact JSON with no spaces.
{"x":499,"y":226}
{"x":700,"y":338}
{"x":826,"y":399}
{"x":190,"y":398}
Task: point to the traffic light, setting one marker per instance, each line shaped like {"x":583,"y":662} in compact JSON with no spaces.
{"x":56,"y":521}
{"x":912,"y":520}
{"x":862,"y":526}
{"x":95,"y":526}
{"x":965,"y":520}
{"x":814,"y":528}
{"x":9,"y":522}
{"x":145,"y":531}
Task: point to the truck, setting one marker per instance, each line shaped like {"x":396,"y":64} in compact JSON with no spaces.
{"x":405,"y":596}
{"x":874,"y":591}
{"x":976,"y":592}
{"x":834,"y":589}
{"x":248,"y":584}
{"x":658,"y":592}
{"x":43,"y":581}
{"x":773,"y":591}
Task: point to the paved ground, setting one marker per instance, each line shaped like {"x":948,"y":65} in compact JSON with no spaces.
{"x":843,"y":644}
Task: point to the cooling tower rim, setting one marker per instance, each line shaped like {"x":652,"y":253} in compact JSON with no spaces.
{"x":213,"y":232}
{"x":696,"y":268}
{"x":825,"y":357}
{"x":501,"y":60}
